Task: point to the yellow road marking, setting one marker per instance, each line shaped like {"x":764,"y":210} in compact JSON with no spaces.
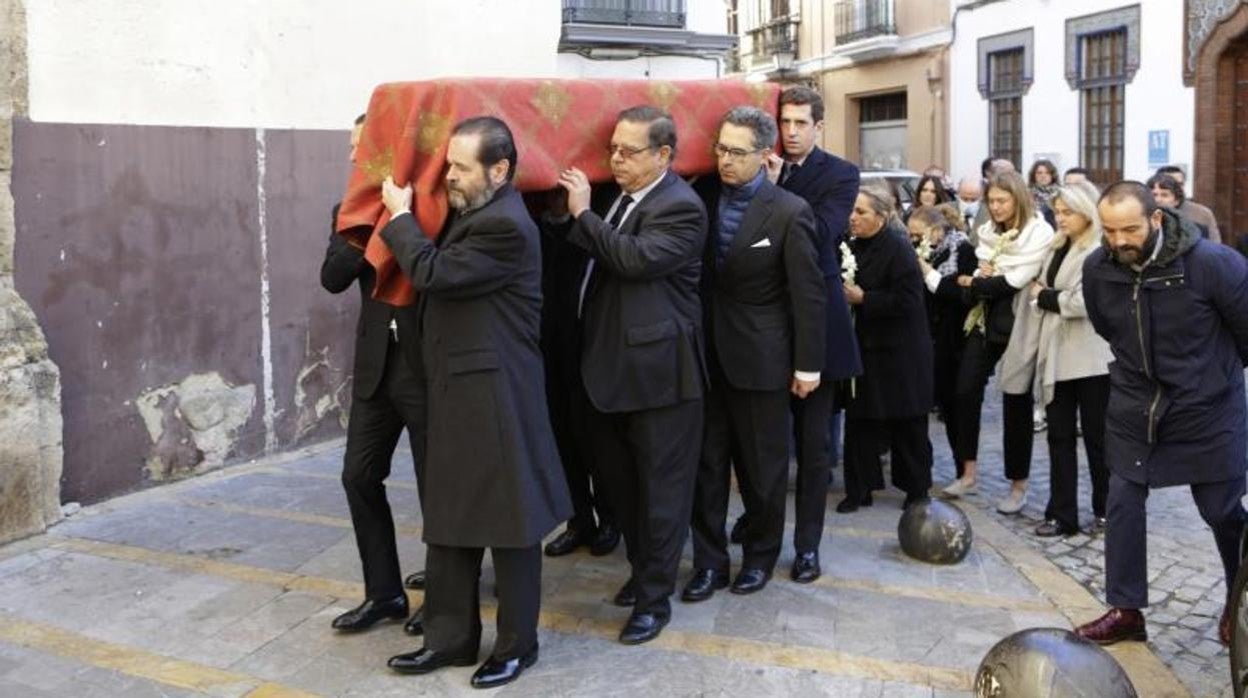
{"x":961,"y":598}
{"x":708,"y":645}
{"x":288,"y":515}
{"x":137,"y":662}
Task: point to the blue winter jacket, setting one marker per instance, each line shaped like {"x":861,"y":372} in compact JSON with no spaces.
{"x":1179,"y":334}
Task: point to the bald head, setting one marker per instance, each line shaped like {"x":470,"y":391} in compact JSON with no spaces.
{"x":970,"y":190}
{"x":999,"y":166}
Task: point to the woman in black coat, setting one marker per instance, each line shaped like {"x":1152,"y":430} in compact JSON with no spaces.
{"x":944,"y":253}
{"x":889,"y":403}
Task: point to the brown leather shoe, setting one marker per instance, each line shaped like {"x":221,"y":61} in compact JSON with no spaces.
{"x":1224,"y":626}
{"x":1117,"y":625}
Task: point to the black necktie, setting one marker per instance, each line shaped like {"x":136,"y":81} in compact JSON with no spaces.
{"x":618,"y":216}
{"x":790,"y":169}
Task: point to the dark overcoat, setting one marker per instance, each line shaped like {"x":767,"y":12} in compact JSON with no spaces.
{"x":492,"y":473}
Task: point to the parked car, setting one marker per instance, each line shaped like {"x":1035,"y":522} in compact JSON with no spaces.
{"x":902,"y":182}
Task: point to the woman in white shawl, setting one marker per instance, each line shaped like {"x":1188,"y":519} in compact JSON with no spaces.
{"x":1012,"y":246}
{"x":1055,"y":351}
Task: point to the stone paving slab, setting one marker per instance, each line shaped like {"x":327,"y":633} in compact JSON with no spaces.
{"x":235,"y":576}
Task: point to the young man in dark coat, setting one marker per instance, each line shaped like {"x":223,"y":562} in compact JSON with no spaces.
{"x":642,"y":363}
{"x":388,"y":394}
{"x":766,"y":324}
{"x":1174,"y":309}
{"x":492,"y":472}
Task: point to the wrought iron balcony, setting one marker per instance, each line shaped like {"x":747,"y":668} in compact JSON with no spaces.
{"x":640,"y":13}
{"x":863,"y":19}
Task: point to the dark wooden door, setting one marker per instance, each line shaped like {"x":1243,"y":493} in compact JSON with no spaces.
{"x":1238,"y":224}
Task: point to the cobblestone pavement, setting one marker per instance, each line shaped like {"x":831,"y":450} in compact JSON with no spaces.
{"x":1186,"y":588}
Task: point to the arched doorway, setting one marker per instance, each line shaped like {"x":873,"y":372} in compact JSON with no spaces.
{"x":1221,"y":163}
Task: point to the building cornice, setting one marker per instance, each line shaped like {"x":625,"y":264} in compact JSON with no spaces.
{"x":577,"y":35}
{"x":841,"y":56}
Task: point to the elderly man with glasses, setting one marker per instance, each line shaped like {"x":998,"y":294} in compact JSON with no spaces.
{"x":766,"y":299}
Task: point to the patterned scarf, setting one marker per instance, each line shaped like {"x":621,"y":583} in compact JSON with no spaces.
{"x":945,"y":254}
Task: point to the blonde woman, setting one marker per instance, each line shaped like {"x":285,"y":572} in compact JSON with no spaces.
{"x":1054,"y":346}
{"x":1012,"y":245}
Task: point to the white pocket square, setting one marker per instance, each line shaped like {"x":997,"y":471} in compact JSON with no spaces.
{"x":765,"y":242}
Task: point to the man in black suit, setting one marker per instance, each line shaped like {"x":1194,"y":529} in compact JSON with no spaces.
{"x":642,"y":365}
{"x":388,"y":395}
{"x":766,"y":326}
{"x":492,"y":472}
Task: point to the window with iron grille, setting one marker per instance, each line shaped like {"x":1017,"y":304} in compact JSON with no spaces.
{"x":889,"y":107}
{"x":646,"y":13}
{"x":1005,"y":105}
{"x":1102,"y":84}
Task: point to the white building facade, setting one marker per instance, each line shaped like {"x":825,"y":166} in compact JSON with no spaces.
{"x":1096,"y":83}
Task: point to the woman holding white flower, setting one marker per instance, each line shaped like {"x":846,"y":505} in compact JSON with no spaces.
{"x":1012,"y":246}
{"x":1055,"y":345}
{"x":889,"y":403}
{"x":951,"y":255}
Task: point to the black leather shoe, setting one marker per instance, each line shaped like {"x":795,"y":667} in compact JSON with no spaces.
{"x":702,"y":585}
{"x":849,"y":504}
{"x":1052,"y":529}
{"x":913,"y":499}
{"x":738,"y":530}
{"x":367,"y":614}
{"x":415,"y":580}
{"x":416,"y":624}
{"x":423,"y":661}
{"x":496,"y":672}
{"x":626,"y":597}
{"x":749,"y":581}
{"x":806,"y":568}
{"x":605,"y":541}
{"x":643,"y":627}
{"x":565,"y":543}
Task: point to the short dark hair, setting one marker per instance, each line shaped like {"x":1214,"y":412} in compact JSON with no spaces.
{"x":1170,"y":184}
{"x":1131,"y":189}
{"x":359,"y":119}
{"x":1171,"y":169}
{"x":801,"y":94}
{"x":760,"y":122}
{"x":496,"y":141}
{"x":662,"y":130}
{"x":1076,"y":170}
{"x":985,"y":166}
{"x":1045,"y":163}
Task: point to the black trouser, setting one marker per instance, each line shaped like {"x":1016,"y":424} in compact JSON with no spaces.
{"x":452,"y":603}
{"x":944,"y":384}
{"x":372,"y":433}
{"x":911,"y":455}
{"x":569,"y":420}
{"x":648,"y":461}
{"x":979,"y":359}
{"x":1126,"y":561}
{"x":748,"y":428}
{"x":812,"y":436}
{"x":1091,"y":397}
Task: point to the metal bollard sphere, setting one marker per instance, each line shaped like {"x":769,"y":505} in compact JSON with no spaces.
{"x":935,"y":531}
{"x":1050,"y":663}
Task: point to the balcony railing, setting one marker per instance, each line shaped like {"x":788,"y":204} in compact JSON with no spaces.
{"x":642,"y":13}
{"x":862,"y":19}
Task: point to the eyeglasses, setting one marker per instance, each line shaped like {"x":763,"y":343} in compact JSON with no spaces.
{"x":734,"y":153}
{"x":625,"y":151}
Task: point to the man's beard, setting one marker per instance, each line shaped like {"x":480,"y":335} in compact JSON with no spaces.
{"x":465,"y":204}
{"x":1131,"y":255}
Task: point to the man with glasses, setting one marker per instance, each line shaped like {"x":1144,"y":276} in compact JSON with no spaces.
{"x":642,"y":363}
{"x":766,"y":332}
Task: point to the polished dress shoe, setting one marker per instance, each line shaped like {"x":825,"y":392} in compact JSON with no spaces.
{"x":738,"y":530}
{"x":367,"y":614}
{"x":605,"y":541}
{"x":703,"y":583}
{"x":750,"y":580}
{"x":415,"y":580}
{"x":1224,"y":627}
{"x":496,"y":672}
{"x":806,"y":568}
{"x":643,"y":627}
{"x":423,"y":661}
{"x":1052,"y":529}
{"x":566,"y":543}
{"x":416,"y":624}
{"x":626,"y":597}
{"x":1117,"y":625}
{"x":851,"y":504}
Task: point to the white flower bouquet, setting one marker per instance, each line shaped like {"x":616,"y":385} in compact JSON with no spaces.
{"x":849,"y":265}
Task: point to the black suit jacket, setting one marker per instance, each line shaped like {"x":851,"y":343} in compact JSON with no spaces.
{"x":642,"y":317}
{"x":492,"y":474}
{"x":767,"y":300}
{"x":830,"y":185}
{"x":344,"y":265}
